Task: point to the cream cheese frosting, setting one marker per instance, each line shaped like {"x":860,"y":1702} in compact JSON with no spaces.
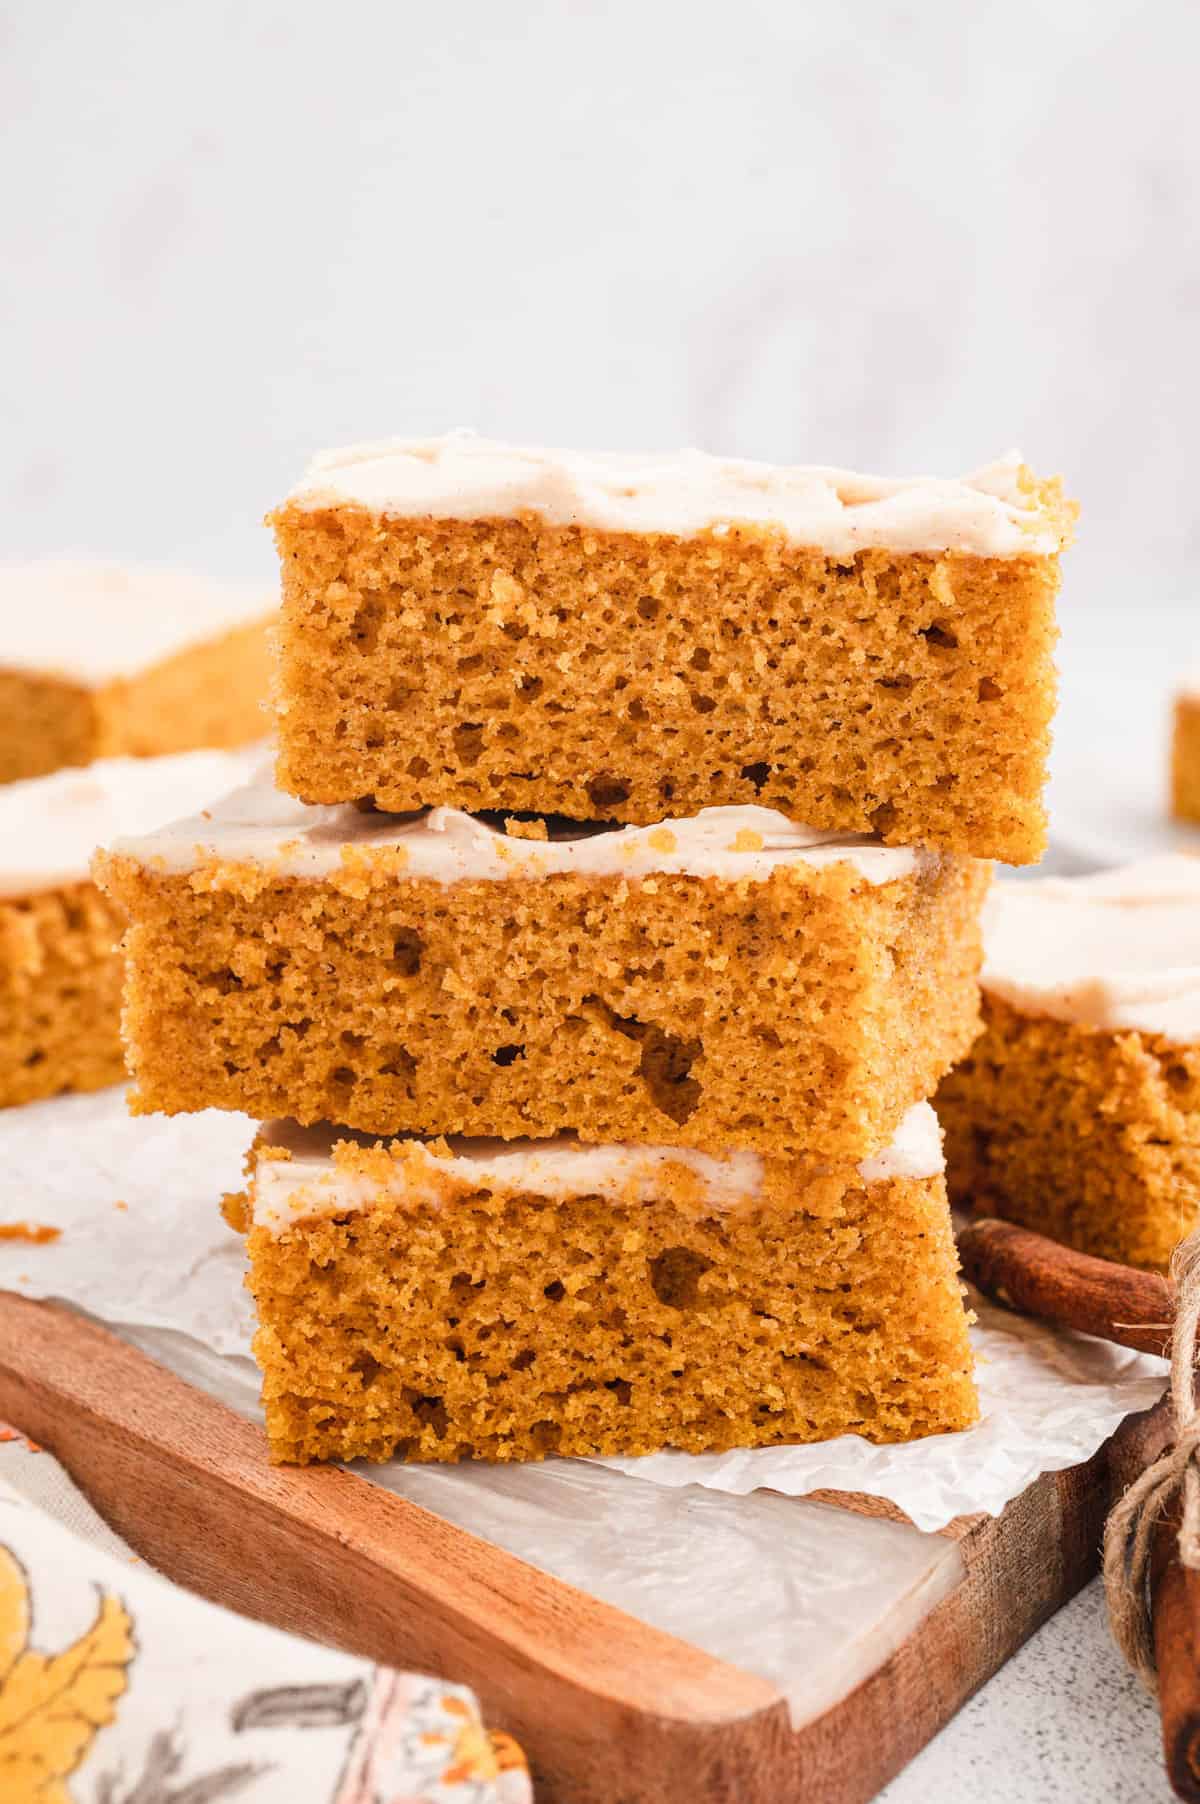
{"x":309,"y":1183}
{"x":1114,"y":951}
{"x":260,"y":826}
{"x":991,"y":513}
{"x":93,"y":623}
{"x":51,"y":826}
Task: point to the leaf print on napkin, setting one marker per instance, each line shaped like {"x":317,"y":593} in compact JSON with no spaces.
{"x":51,"y":1706}
{"x":162,"y":1766}
{"x":300,"y":1706}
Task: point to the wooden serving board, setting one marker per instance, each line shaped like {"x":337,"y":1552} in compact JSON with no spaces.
{"x":608,"y":1709}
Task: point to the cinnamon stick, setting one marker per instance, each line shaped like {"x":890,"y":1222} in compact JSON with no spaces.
{"x":1175,"y":1602}
{"x":1040,"y":1277}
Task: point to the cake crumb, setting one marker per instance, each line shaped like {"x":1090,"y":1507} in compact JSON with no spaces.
{"x":662,"y":839}
{"x":34,"y":1233}
{"x":516,"y":829}
{"x":747,"y":840}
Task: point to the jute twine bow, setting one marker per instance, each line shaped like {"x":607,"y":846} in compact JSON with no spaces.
{"x":1129,"y":1535}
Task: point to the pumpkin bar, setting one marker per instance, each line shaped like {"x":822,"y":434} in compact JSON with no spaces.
{"x":626,"y":637}
{"x":1077,"y":1112}
{"x":504,"y":1301}
{"x":724,"y":981}
{"x":1185,"y":754}
{"x":108,"y":660}
{"x":60,"y":967}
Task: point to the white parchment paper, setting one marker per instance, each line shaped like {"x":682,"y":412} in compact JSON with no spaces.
{"x":143,"y":1244}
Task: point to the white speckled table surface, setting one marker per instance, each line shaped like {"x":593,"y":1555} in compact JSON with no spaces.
{"x":1063,"y":1721}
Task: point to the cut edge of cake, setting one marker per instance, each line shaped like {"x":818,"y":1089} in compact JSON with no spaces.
{"x":486,"y":626}
{"x":441,"y":1302}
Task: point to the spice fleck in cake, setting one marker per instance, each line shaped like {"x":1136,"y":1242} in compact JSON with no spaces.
{"x":60,"y":968}
{"x":105,"y":661}
{"x":485,"y":626}
{"x":1185,"y":753}
{"x":508,"y":1301}
{"x":1078,"y":1110}
{"x":726,"y":981}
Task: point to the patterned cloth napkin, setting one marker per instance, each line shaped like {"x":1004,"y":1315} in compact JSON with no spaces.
{"x":117,"y":1687}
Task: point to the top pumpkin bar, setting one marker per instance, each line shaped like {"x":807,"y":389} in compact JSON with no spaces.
{"x":622,"y":637}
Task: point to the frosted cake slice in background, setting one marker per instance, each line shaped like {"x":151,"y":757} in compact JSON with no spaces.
{"x":1185,"y":752}
{"x":1077,"y":1112}
{"x":60,"y":966}
{"x":112,"y":660}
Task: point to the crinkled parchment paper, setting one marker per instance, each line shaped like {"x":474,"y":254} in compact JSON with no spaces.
{"x":143,"y":1244}
{"x":811,"y":1597}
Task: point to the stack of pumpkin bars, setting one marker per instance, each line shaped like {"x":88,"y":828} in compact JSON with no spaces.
{"x":595,"y":1084}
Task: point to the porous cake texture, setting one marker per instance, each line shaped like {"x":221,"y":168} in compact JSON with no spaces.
{"x":628,"y":637}
{"x":106,"y":660}
{"x":1077,"y":1112}
{"x":476,"y":1299}
{"x":60,"y":994}
{"x":725,"y":981}
{"x":1185,"y":754}
{"x":60,"y":967}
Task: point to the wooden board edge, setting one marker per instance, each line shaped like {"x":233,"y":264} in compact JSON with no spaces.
{"x":1020,"y":1568}
{"x":605,"y":1705}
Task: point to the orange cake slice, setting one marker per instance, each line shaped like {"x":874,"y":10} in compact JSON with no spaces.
{"x":1185,"y":753}
{"x":109,"y":660}
{"x":509,"y":1300}
{"x":1077,"y":1112}
{"x":727,"y":980}
{"x":626,"y":637}
{"x":60,"y":967}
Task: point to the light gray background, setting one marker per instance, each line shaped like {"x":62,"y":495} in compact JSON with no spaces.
{"x":898,"y":236}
